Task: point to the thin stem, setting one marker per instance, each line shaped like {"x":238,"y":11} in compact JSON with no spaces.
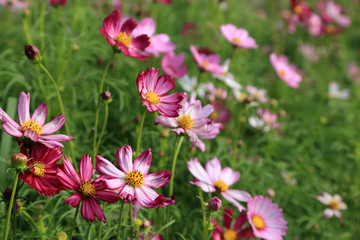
{"x":26,"y":30}
{"x":42,"y":26}
{"x":6,"y":232}
{"x":120,"y":220}
{"x":206,"y":234}
{"x":140,"y":133}
{"x":74,"y":222}
{"x":101,"y":223}
{"x":104,"y":126}
{"x":41,"y":234}
{"x":201,"y":196}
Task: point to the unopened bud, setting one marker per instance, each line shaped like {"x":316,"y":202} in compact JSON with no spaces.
{"x":7,"y":194}
{"x":18,"y":206}
{"x":270,"y":192}
{"x":18,"y":161}
{"x":106,"y":96}
{"x":138,"y":222}
{"x":146,"y":223}
{"x":137,"y":119}
{"x":61,"y":236}
{"x":32,"y":53}
{"x":214,"y":204}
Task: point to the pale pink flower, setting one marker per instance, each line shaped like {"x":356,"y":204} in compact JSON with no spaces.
{"x":285,"y":71}
{"x":237,"y":36}
{"x":266,"y":218}
{"x":309,"y":52}
{"x":215,"y":179}
{"x":153,"y":90}
{"x":269,"y":118}
{"x":353,"y":71}
{"x":334,"y":12}
{"x":208,"y":61}
{"x":257,"y":94}
{"x":193,"y":120}
{"x":132,"y":179}
{"x":174,"y":65}
{"x":315,"y":25}
{"x":14,"y":5}
{"x":33,"y":128}
{"x":335,"y":205}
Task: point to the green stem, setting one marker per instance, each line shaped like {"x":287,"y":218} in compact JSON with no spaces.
{"x":26,"y":30}
{"x":6,"y":232}
{"x":41,"y":234}
{"x":101,"y":224}
{"x":120,"y":220}
{"x":104,"y":126}
{"x":131,"y":220}
{"x":42,"y":26}
{"x":201,"y":196}
{"x":206,"y":234}
{"x":137,"y":153}
{"x":74,"y":222}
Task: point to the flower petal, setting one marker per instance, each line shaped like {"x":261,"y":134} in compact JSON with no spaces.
{"x":24,"y":107}
{"x":54,"y":125}
{"x":229,"y":176}
{"x":124,"y":158}
{"x":87,"y":210}
{"x":97,"y":209}
{"x":105,"y":167}
{"x":86,"y":168}
{"x":233,"y":201}
{"x":158,"y":179}
{"x":10,"y":126}
{"x":143,"y":161}
{"x":198,"y":171}
{"x":40,"y":114}
{"x":107,"y":196}
{"x":213,"y":167}
{"x":74,"y":199}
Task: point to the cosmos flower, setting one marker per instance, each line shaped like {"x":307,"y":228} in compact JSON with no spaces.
{"x":239,"y":37}
{"x":269,"y":118}
{"x":190,"y":85}
{"x":14,"y":5}
{"x":302,"y":10}
{"x":119,"y":36}
{"x":87,"y":190}
{"x":334,"y":203}
{"x":153,"y":89}
{"x":132,"y":179}
{"x":215,"y":179}
{"x":285,"y":71}
{"x":332,"y":11}
{"x":239,"y":230}
{"x":257,"y":94}
{"x":32,"y":129}
{"x":266,"y":218}
{"x":173,"y":65}
{"x":335,"y":92}
{"x":315,"y":25}
{"x":42,"y":169}
{"x":206,"y":60}
{"x":221,"y":114}
{"x":227,"y":77}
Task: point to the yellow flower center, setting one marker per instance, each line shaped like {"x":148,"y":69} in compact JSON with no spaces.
{"x":123,"y":38}
{"x":33,"y":126}
{"x":229,"y":234}
{"x":152,"y":97}
{"x":298,"y":9}
{"x":39,"y":169}
{"x":185,"y":122}
{"x":205,"y":63}
{"x":237,"y":40}
{"x":330,"y":29}
{"x":258,"y":222}
{"x":282,"y":73}
{"x":135,"y":178}
{"x":214,"y":116}
{"x":220,"y":185}
{"x":87,"y":189}
{"x":334,"y":204}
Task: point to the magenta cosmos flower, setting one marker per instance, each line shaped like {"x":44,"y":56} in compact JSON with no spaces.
{"x":87,"y":190}
{"x":206,"y":60}
{"x":237,"y":231}
{"x":193,"y":120}
{"x":33,"y":128}
{"x":132,"y":179}
{"x":285,"y":71}
{"x":215,"y":179}
{"x":173,"y":65}
{"x":266,"y":218}
{"x":153,"y":89}
{"x":42,"y":173}
{"x":119,"y":35}
{"x":58,"y":2}
{"x":335,"y":205}
{"x":238,"y":37}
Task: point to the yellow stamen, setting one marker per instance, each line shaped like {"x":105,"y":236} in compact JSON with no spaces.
{"x":123,"y":38}
{"x":334,"y":204}
{"x":258,"y":222}
{"x":298,"y":9}
{"x":33,"y":126}
{"x":220,"y":185}
{"x":214,"y":116}
{"x":152,"y":97}
{"x":330,"y":29}
{"x":87,"y":189}
{"x":135,"y":178}
{"x":237,"y":40}
{"x":39,"y":169}
{"x":282,"y":73}
{"x":230,"y":234}
{"x":185,"y":122}
{"x":205,"y":63}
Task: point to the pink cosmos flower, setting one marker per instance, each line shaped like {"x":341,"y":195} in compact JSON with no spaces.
{"x":87,"y":190}
{"x":216,"y":179}
{"x":206,"y":60}
{"x":257,"y":94}
{"x":238,"y":231}
{"x":32,"y":128}
{"x":193,"y":121}
{"x":266,"y":218}
{"x":159,"y":43}
{"x":119,"y":36}
{"x":334,"y":203}
{"x":13,"y":5}
{"x":332,"y":11}
{"x":237,"y":36}
{"x":42,"y":169}
{"x":315,"y":25}
{"x":153,"y":89}
{"x":132,"y":179}
{"x":221,"y":114}
{"x":269,"y":118}
{"x":173,"y":65}
{"x":285,"y":71}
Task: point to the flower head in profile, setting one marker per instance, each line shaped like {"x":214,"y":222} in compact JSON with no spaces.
{"x":119,"y":36}
{"x":215,"y":179}
{"x":238,"y":230}
{"x":153,"y":90}
{"x":285,"y":71}
{"x":32,"y":129}
{"x":238,"y":37}
{"x":173,"y":65}
{"x":87,"y":190}
{"x":334,"y":205}
{"x":42,"y":169}
{"x":207,"y":60}
{"x":132,"y":179}
{"x":193,"y":120}
{"x":266,"y":218}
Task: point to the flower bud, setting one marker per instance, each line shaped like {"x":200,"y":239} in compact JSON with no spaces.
{"x":138,"y":222}
{"x":165,"y":133}
{"x":270,"y":192}
{"x":106,"y":96}
{"x":32,"y":53}
{"x":214,"y":204}
{"x":61,"y":236}
{"x":146,"y":224}
{"x":18,"y":161}
{"x":58,"y":2}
